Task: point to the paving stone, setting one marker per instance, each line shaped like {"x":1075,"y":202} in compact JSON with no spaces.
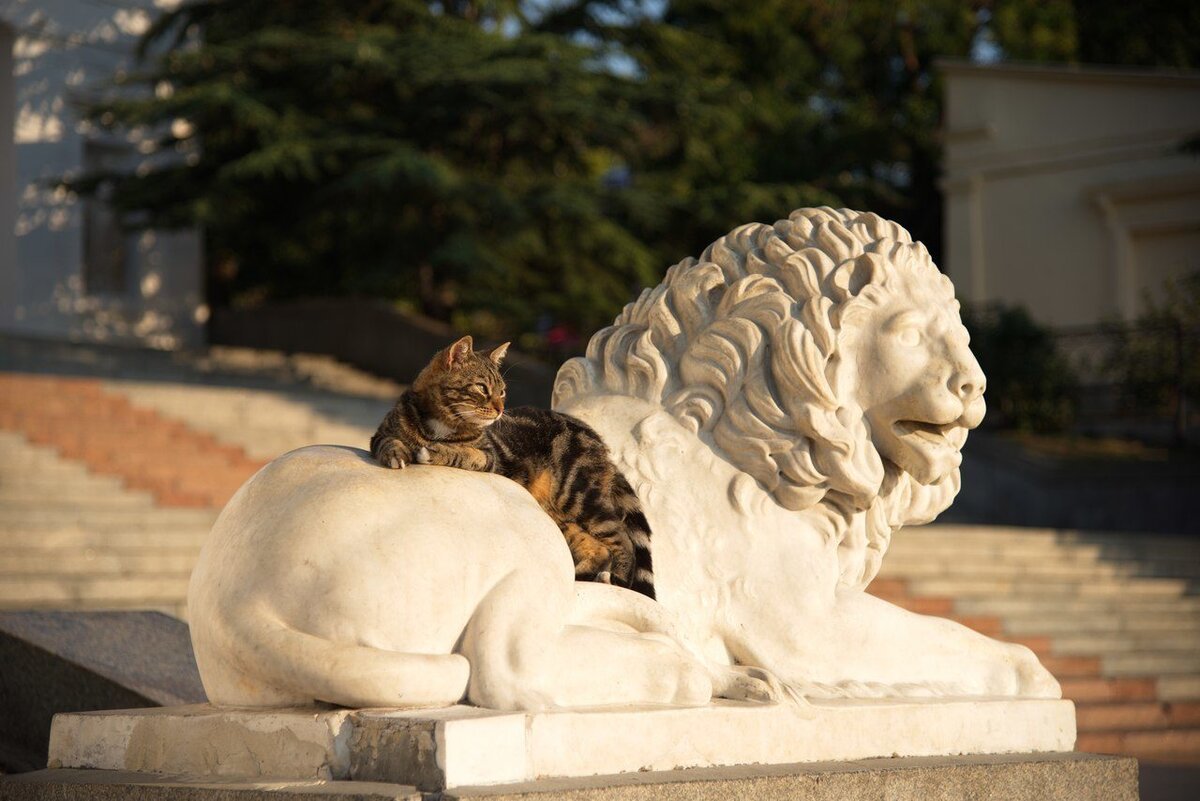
{"x":71,"y":661}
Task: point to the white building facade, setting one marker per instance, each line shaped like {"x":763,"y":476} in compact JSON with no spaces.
{"x":1066,"y":191}
{"x":67,"y":269}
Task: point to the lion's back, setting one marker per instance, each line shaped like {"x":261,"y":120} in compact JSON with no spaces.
{"x":327,"y":540}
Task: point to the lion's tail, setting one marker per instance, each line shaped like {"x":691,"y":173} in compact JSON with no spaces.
{"x":275,"y":664}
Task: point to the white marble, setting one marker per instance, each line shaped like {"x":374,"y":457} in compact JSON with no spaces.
{"x":783,"y":405}
{"x":464,"y":746}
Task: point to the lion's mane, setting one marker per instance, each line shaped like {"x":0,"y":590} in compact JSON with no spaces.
{"x":742,"y":347}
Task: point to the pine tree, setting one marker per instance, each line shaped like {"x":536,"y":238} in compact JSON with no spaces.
{"x":440,"y":154}
{"x":758,"y":108}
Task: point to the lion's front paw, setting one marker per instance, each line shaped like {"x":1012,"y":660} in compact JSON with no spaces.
{"x":393,"y":454}
{"x":1033,"y":680}
{"x":743,"y":683}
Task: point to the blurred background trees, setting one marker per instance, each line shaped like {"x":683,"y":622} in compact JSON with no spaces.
{"x":512,"y":166}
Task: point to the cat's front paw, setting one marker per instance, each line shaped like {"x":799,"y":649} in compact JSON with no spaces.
{"x":393,"y":455}
{"x":422,"y":455}
{"x":604,"y":577}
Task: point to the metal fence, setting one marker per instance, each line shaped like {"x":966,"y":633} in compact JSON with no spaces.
{"x":1140,"y":381}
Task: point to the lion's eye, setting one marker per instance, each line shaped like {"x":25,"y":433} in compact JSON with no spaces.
{"x":909,"y":336}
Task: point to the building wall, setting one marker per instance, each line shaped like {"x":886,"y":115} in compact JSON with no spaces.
{"x":63,"y":52}
{"x":8,"y":165}
{"x":1065,"y":189}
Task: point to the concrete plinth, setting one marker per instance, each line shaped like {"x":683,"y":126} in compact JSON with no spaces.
{"x":466,"y":746}
{"x":1024,"y":777}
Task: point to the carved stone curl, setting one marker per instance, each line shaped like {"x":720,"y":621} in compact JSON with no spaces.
{"x":782,"y":405}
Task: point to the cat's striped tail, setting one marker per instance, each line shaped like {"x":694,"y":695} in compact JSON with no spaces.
{"x":638,"y":528}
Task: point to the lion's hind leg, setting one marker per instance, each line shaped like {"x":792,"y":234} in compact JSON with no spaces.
{"x":525,"y":653}
{"x":255,"y":658}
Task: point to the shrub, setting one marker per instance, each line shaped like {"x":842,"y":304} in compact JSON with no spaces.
{"x":1031,"y":386}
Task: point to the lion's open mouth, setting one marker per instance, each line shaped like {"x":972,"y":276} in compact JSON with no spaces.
{"x":932,"y":433}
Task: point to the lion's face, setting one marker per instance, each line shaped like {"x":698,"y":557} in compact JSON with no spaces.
{"x":917,"y":381}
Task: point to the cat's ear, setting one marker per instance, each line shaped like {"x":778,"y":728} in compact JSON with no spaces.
{"x":457,"y":353}
{"x":498,"y":353}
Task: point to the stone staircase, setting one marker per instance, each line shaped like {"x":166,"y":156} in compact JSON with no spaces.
{"x":71,"y":539}
{"x":1111,"y":615}
{"x":108,"y":487}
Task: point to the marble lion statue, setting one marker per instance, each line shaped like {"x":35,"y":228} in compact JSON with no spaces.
{"x":782,"y":406}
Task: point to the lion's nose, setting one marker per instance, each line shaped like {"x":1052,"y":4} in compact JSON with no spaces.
{"x":968,"y":381}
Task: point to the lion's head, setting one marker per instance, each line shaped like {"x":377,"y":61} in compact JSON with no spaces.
{"x":823,"y":356}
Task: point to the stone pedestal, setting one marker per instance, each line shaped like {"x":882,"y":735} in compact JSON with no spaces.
{"x":1017,"y":777}
{"x":466,"y":746}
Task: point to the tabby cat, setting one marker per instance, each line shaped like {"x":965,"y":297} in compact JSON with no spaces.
{"x":454,"y":415}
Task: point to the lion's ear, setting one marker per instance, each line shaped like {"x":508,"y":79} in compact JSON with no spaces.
{"x":457,"y":353}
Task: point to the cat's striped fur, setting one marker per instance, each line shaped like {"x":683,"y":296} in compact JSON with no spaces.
{"x":454,"y":415}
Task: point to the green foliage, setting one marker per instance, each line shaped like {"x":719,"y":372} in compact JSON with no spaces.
{"x":1158,"y":357}
{"x":1148,"y":33}
{"x":1044,"y":31}
{"x":458,"y":157}
{"x":388,"y":148}
{"x":753,"y":109}
{"x":1031,"y":387}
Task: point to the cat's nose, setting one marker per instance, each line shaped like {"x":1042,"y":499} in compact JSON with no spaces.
{"x":498,"y":405}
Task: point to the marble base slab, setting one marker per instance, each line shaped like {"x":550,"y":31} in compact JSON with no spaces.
{"x":466,"y":746}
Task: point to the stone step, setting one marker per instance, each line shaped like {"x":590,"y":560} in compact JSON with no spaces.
{"x":264,"y":424}
{"x":972,"y":534}
{"x":1116,"y":550}
{"x":18,"y":501}
{"x":1003,"y":541}
{"x":64,"y":538}
{"x":1155,"y":627}
{"x":40,"y":481}
{"x":1044,"y":570}
{"x":96,"y":562}
{"x":1136,"y":715}
{"x":1179,"y":687}
{"x":1151,"y":663}
{"x":106,"y":519}
{"x":1171,"y":571}
{"x":913,"y":563}
{"x":64,"y":593}
{"x":1080,"y":608}
{"x":1040,"y":570}
{"x":1100,"y":689}
{"x":949,"y":551}
{"x":1096,"y":645}
{"x":1182,"y":744}
{"x":1047,"y":593}
{"x":18,"y":462}
{"x":1072,"y":667}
